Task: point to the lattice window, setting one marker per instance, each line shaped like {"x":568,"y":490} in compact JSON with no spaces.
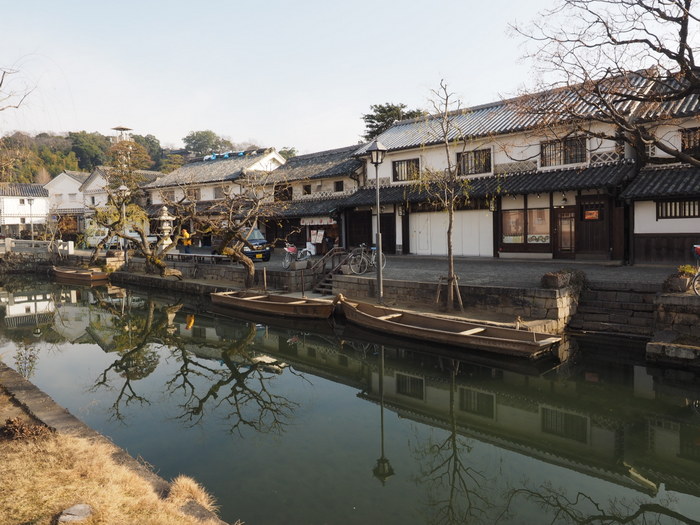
{"x":566,"y":151}
{"x":565,"y":424}
{"x":409,"y":386}
{"x":690,"y":141}
{"x":404,"y":170}
{"x":685,"y":209}
{"x":473,"y":162}
{"x":476,"y":402}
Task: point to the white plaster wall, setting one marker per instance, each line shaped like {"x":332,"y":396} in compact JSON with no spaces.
{"x":645,"y":221}
{"x":65,"y":186}
{"x":504,"y":149}
{"x":472,"y":235}
{"x":13,"y":211}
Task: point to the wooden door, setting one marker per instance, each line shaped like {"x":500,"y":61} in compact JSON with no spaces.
{"x":593,"y":227}
{"x":360,"y":228}
{"x":564,"y":246}
{"x":387,"y":223}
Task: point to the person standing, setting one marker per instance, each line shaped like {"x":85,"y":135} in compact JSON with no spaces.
{"x":186,"y":240}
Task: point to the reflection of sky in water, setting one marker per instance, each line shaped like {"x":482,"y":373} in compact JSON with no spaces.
{"x":319,"y":468}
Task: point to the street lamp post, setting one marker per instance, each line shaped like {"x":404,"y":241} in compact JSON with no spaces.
{"x":377,"y":151}
{"x":123,"y":193}
{"x":31,"y":219}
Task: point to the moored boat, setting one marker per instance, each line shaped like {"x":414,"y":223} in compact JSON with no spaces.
{"x":453,"y":332}
{"x":271,"y":304}
{"x":80,"y":275}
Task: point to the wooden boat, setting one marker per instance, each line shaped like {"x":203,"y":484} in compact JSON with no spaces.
{"x":269,"y":304}
{"x":80,"y":275}
{"x":453,"y":332}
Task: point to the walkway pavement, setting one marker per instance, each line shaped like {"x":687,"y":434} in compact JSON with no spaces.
{"x":522,"y":273}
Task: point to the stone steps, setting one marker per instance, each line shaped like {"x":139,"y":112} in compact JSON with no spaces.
{"x":621,"y":311}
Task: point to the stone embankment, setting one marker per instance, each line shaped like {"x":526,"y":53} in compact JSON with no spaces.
{"x":617,"y":308}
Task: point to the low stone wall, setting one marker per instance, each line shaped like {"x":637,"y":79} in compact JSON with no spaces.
{"x":234,"y":275}
{"x":555,"y":306}
{"x":678,"y":313}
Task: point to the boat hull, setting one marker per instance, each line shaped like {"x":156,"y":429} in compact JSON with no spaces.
{"x":452,"y":332}
{"x":275,"y":305}
{"x":80,"y":275}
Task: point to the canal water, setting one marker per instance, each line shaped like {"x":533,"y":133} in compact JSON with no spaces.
{"x":321,"y":424}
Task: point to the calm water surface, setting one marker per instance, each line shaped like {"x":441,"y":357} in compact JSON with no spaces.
{"x":314,"y":425}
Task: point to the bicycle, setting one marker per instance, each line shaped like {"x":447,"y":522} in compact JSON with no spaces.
{"x":362,"y":259}
{"x":695,"y":282}
{"x":291,"y":253}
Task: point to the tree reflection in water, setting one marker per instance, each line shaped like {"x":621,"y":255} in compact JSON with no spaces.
{"x":456,"y":490}
{"x":241,"y":385}
{"x":583,"y":509}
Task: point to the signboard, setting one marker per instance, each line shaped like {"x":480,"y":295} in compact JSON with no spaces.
{"x":316,"y":221}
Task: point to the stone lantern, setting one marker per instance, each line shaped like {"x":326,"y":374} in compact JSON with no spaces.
{"x":166,"y":225}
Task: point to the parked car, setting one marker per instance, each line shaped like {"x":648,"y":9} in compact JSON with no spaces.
{"x":261,"y":248}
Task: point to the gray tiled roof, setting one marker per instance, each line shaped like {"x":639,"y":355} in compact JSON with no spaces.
{"x":215,"y":170}
{"x":592,"y":177}
{"x":528,"y":112}
{"x":79,"y":176}
{"x":665,"y":182}
{"x":313,"y":207}
{"x":9,"y":189}
{"x":146,"y":176}
{"x":323,"y":164}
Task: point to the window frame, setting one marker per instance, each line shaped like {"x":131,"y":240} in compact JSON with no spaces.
{"x":678,"y":209}
{"x":411,"y":171}
{"x":338,"y":186}
{"x":690,"y":140}
{"x":564,"y":152}
{"x":472,"y":158}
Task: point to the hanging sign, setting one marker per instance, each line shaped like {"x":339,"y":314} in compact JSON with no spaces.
{"x":316,"y":221}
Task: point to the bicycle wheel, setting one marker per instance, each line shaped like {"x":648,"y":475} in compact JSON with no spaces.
{"x":303,"y":255}
{"x":358,"y":264}
{"x":287,"y":261}
{"x":695,"y":284}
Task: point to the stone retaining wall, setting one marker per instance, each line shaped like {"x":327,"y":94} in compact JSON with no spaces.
{"x":678,"y":313}
{"x":234,"y":275}
{"x":556,"y":306}
{"x":616,"y":308}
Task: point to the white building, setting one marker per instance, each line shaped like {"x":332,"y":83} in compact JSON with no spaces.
{"x":66,"y":202}
{"x":23,"y":208}
{"x":535,"y":191}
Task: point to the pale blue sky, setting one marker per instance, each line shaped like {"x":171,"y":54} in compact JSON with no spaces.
{"x":275,"y":73}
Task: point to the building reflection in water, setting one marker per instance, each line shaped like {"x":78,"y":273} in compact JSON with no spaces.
{"x":624,"y":422}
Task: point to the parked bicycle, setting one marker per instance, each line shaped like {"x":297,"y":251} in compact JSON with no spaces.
{"x":363,"y":258}
{"x":695,"y":283}
{"x":292,"y":253}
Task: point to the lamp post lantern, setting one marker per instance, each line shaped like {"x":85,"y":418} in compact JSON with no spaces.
{"x":123,"y":192}
{"x":30,"y":201}
{"x":377,"y":151}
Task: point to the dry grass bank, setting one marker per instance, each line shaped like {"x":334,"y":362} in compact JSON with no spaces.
{"x":41,"y":476}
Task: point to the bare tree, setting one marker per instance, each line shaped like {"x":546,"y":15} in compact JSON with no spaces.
{"x":445,"y":189}
{"x":624,"y":63}
{"x":10,"y":98}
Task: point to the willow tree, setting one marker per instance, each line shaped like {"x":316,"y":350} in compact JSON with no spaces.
{"x":445,"y":189}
